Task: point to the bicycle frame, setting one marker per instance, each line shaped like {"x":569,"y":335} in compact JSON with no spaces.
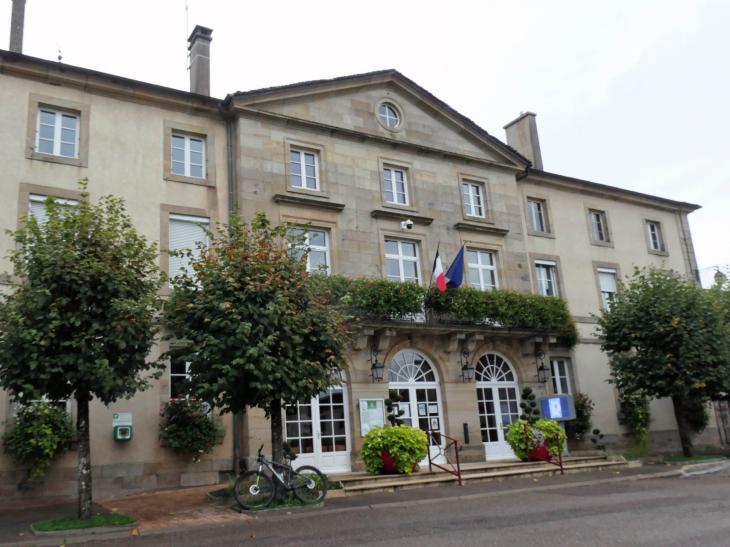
{"x":270,"y":466}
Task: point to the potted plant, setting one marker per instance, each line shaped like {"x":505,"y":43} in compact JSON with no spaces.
{"x":393,"y":449}
{"x":541,"y":441}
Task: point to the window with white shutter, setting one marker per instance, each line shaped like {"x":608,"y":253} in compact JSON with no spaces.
{"x":38,"y":206}
{"x":185,"y":233}
{"x":607,"y":281}
{"x":547,"y":283}
{"x":561,"y":376}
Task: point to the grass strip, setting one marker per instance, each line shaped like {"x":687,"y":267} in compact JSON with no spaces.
{"x":72,"y":523}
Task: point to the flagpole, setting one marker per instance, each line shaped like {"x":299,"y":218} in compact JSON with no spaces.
{"x":434,"y":262}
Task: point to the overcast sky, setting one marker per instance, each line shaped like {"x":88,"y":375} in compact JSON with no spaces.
{"x":629,"y":93}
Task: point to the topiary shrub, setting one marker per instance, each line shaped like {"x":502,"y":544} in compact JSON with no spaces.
{"x":596,"y":440}
{"x":188,"y":429}
{"x":579,"y":427}
{"x":539,"y":433}
{"x":407,"y":446}
{"x":42,"y":433}
{"x":393,"y":398}
{"x":530,"y":412}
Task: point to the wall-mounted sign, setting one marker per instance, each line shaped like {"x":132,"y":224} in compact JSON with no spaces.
{"x":372,"y":413}
{"x":560,"y":408}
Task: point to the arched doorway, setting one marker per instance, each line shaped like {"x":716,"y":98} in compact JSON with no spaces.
{"x":499,"y":404}
{"x":417,"y":382}
{"x":319,"y":432}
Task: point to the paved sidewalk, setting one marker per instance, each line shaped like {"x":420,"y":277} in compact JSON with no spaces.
{"x":172,"y":511}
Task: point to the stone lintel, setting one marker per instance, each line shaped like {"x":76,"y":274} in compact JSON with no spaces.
{"x":480,"y":227}
{"x":401,"y":215}
{"x":309,"y":202}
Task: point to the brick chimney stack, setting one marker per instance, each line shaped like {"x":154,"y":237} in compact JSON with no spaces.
{"x":17,"y":22}
{"x":199,"y":47}
{"x":522,"y":136}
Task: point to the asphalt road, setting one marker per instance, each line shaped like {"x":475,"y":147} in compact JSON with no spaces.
{"x":656,"y":512}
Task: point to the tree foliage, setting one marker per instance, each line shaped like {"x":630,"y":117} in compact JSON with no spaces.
{"x":581,"y":426}
{"x":667,"y":338}
{"x":81,"y":321}
{"x":256,"y":328}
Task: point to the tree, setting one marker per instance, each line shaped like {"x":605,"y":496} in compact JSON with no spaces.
{"x":82,"y":319}
{"x":256,"y":328}
{"x":667,"y":338}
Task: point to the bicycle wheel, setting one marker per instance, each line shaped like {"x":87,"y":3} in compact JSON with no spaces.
{"x":308,"y":484}
{"x":254,"y":490}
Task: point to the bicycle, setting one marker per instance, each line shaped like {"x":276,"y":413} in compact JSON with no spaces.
{"x":255,"y":489}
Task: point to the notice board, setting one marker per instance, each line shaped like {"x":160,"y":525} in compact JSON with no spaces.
{"x":372,"y":413}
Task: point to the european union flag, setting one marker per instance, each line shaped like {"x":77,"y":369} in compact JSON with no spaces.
{"x":455,"y":274}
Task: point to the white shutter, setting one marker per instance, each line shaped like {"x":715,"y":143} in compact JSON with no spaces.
{"x":185,"y":233}
{"x":608,"y":281}
{"x":38,"y":210}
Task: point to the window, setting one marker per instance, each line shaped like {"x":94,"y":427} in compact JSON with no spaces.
{"x":185,"y":233}
{"x":607,"y":281}
{"x":57,"y":133}
{"x":401,"y":259}
{"x":396,"y":190}
{"x":561,"y":380}
{"x":598,"y":225}
{"x":547,"y":283}
{"x":473,"y":201}
{"x":388,"y":115}
{"x":62,"y":403}
{"x":304,"y":170}
{"x":482,"y":270}
{"x":537,"y":215}
{"x":655,"y":236}
{"x":318,"y":259}
{"x":38,"y":206}
{"x":179,"y":373}
{"x":188,"y":156}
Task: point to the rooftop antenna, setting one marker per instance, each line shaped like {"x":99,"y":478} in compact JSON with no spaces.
{"x":60,"y":54}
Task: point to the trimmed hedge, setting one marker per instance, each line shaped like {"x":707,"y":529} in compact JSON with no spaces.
{"x":379,"y":298}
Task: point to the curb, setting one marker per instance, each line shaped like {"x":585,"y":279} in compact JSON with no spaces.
{"x":87,"y":531}
{"x":303,"y":514}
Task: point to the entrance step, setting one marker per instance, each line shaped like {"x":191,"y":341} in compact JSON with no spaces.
{"x":362,"y":483}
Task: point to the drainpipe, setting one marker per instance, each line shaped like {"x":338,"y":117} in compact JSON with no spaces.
{"x":227,"y":118}
{"x":523,"y":175}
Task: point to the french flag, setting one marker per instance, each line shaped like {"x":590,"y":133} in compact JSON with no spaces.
{"x":438,"y":272}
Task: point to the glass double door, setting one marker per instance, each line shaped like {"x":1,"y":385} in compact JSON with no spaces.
{"x":498,"y":408}
{"x":318,"y":431}
{"x":422,"y":409}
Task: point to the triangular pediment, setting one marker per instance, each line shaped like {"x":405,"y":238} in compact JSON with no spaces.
{"x":351,"y":104}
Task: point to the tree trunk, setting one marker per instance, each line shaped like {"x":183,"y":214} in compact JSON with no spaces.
{"x":684,"y":434}
{"x":82,"y":428}
{"x":277,"y":449}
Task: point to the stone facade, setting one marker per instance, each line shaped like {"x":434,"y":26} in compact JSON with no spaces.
{"x":126,"y":129}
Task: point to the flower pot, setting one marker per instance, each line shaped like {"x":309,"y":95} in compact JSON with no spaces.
{"x":541,"y":453}
{"x":389,"y":464}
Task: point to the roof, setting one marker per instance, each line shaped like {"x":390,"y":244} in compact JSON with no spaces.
{"x":595,"y":187}
{"x":379,"y":73}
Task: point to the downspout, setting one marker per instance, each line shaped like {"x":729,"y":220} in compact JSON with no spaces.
{"x":227,"y":118}
{"x":524,"y":175}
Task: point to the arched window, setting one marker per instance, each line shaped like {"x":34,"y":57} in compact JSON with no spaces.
{"x":409,"y":366}
{"x":493,"y":368}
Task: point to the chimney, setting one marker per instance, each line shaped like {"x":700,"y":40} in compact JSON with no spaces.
{"x":16,"y":26}
{"x":199,"y":49}
{"x":522,"y":136}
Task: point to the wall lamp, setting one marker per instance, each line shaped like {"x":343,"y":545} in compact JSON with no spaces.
{"x":376,"y":367}
{"x":542,"y":371}
{"x":467,"y":371}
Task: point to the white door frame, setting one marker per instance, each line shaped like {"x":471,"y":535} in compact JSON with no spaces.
{"x":318,"y":458}
{"x":491,"y":373}
{"x":412,"y":385}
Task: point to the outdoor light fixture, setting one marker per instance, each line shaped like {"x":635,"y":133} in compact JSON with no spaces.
{"x":542,"y":371}
{"x":376,"y":367}
{"x":467,"y":371}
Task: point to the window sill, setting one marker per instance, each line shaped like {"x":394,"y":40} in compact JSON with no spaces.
{"x":40,"y":156}
{"x":482,"y":220}
{"x":398,"y":207}
{"x":307,"y":201}
{"x":535,"y":233}
{"x":602,"y":243}
{"x":308,"y":192}
{"x":658,"y":253}
{"x":481,"y":227}
{"x":401,"y":216}
{"x":189,"y":180}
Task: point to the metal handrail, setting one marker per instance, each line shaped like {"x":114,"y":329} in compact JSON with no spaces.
{"x":548,"y":435}
{"x":455,"y":469}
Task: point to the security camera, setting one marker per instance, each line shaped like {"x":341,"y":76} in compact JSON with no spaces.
{"x":406,"y":225}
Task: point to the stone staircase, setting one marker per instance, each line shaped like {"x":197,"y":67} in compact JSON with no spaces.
{"x":362,"y":483}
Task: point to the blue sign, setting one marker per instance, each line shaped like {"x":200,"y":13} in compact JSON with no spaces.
{"x":557,"y":407}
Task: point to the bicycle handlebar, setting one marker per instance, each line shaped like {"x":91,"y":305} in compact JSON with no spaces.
{"x":259,"y":456}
